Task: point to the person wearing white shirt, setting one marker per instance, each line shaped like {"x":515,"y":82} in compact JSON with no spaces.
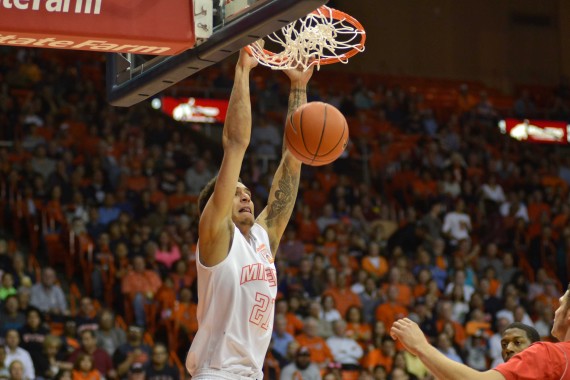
{"x":13,"y":353}
{"x":345,"y":350}
{"x":514,"y":312}
{"x":495,"y":346}
{"x":493,"y":191}
{"x":457,"y":224}
{"x":514,"y":207}
{"x":329,"y":312}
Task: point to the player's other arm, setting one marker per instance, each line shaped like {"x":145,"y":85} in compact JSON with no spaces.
{"x":283,"y":192}
{"x":216,"y":227}
{"x":443,"y":368}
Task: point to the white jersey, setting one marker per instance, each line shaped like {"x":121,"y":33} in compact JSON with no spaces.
{"x":236,"y":299}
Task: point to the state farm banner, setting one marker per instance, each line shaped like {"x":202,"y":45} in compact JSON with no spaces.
{"x":536,"y":131}
{"x":195,"y":109}
{"x":154,"y":27}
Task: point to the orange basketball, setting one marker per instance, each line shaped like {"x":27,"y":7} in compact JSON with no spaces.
{"x":316,"y":133}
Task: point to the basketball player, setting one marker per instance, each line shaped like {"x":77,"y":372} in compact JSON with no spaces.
{"x":517,"y":337}
{"x":542,"y":360}
{"x":237,"y":282}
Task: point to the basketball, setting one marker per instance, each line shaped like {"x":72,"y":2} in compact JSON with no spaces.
{"x":316,"y":133}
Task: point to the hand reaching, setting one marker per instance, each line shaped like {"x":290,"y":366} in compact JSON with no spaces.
{"x":409,"y":334}
{"x":299,"y":76}
{"x":246,"y":60}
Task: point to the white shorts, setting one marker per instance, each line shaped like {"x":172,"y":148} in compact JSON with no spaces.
{"x":214,"y":374}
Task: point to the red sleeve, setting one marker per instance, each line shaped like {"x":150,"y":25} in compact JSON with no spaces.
{"x":540,"y":361}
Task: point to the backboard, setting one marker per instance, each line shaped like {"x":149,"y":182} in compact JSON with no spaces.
{"x":132,"y":78}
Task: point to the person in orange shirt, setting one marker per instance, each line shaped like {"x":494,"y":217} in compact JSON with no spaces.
{"x":294,"y":324}
{"x":356,"y":328}
{"x":84,"y":369}
{"x":180,"y":198}
{"x":445,"y":318}
{"x":343,"y":296}
{"x":404,"y":290}
{"x":140,"y":285}
{"x":391,"y":310}
{"x":382,"y":355}
{"x":320,"y":351}
{"x":184,"y":312}
{"x":373,"y":263}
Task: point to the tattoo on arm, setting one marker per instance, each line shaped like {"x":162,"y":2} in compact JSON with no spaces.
{"x":284,"y":197}
{"x":297,"y":97}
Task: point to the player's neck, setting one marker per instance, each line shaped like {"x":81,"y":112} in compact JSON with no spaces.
{"x":245,"y":231}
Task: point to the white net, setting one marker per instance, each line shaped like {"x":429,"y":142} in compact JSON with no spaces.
{"x":324,"y":36}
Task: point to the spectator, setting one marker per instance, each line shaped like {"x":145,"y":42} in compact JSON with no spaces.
{"x":381,"y":355}
{"x":87,"y":317}
{"x":302,"y":367}
{"x":370,"y":298}
{"x":266,"y":140}
{"x":168,"y":252}
{"x":316,"y":312}
{"x":33,"y":334}
{"x":329,"y":312}
{"x":109,"y":211}
{"x":84,"y":368}
{"x":431,"y":224}
{"x":495,"y":345}
{"x":10,"y":317}
{"x":445,"y":347}
{"x":544,"y":323}
{"x":327,"y":218}
{"x":457,"y":224}
{"x":136,"y":372}
{"x":133,"y":352}
{"x":109,"y":337}
{"x":140,"y":286}
{"x":318,"y":347}
{"x":356,"y":327}
{"x":280,"y":337}
{"x":101,"y":360}
{"x":158,"y":368}
{"x":53,"y":360}
{"x":18,"y":371}
{"x":7,"y":286}
{"x":197,"y":176}
{"x":392,"y":309}
{"x":47,"y":296}
{"x":14,"y":353}
{"x":342,"y":295}
{"x":460,"y":280}
{"x":373,"y":263}
{"x":345,"y":350}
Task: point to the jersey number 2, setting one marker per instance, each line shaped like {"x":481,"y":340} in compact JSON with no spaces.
{"x":262,"y":310}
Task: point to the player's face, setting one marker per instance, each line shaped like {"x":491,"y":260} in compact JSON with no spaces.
{"x":561,"y":323}
{"x":513,"y":341}
{"x":243,"y":206}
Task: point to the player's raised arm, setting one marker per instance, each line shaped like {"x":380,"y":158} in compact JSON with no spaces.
{"x":283,"y":193}
{"x":216,"y":227}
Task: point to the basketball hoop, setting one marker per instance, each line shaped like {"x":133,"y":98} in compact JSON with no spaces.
{"x":324,"y":36}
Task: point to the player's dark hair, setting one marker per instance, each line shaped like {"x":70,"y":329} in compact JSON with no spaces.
{"x":530,"y":331}
{"x":207,"y":192}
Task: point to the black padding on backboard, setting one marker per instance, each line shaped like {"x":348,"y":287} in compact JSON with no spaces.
{"x":259,"y":22}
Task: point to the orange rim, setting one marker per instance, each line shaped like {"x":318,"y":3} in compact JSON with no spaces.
{"x":337,"y":15}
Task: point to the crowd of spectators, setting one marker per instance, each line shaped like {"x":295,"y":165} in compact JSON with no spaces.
{"x":439,"y":218}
